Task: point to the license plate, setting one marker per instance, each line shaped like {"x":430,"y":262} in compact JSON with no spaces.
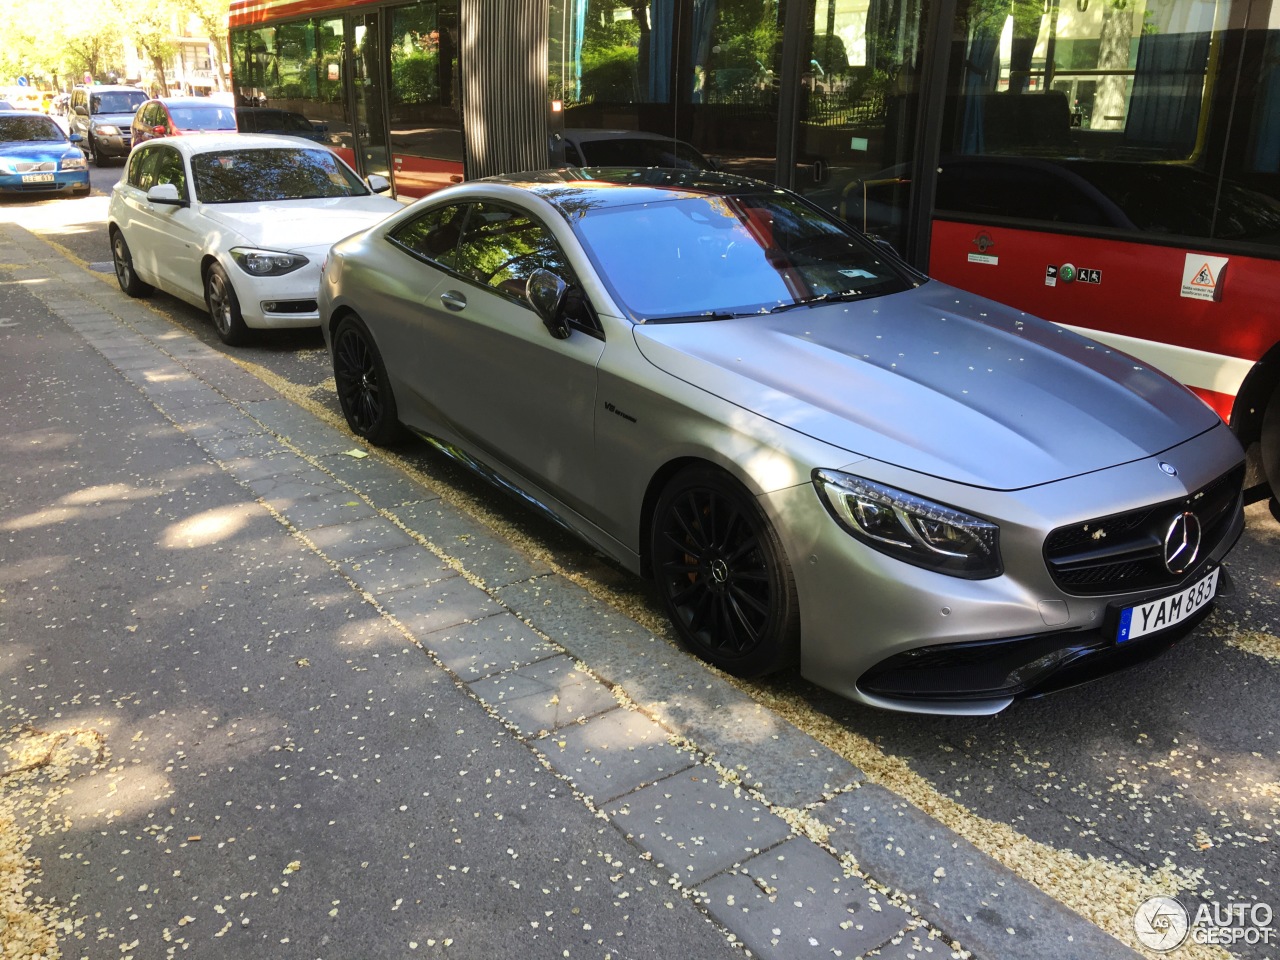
{"x":37,"y":178}
{"x":1149,"y":617}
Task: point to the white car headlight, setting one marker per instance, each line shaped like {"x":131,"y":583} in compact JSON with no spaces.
{"x":913,"y":529}
{"x":108,"y":130}
{"x":73,"y":163}
{"x":267,"y":263}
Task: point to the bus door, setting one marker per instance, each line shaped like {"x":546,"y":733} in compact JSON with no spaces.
{"x":859,"y":74}
{"x":366,"y":92}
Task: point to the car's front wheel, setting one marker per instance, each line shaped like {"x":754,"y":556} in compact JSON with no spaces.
{"x":224,"y":307}
{"x":125,"y":274}
{"x":99,"y":158}
{"x":723,"y":575}
{"x":364,"y":390}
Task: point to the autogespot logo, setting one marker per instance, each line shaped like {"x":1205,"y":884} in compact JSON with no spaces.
{"x":1161,"y":924}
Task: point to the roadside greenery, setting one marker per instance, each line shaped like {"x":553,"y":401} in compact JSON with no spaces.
{"x":55,"y":45}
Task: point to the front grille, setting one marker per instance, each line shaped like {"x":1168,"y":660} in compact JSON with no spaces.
{"x":1125,"y":552}
{"x":42,"y":166}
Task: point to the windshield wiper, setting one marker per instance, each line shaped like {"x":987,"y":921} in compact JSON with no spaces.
{"x":695,"y":317}
{"x":840,"y":296}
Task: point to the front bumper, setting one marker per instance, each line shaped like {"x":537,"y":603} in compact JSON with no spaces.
{"x":70,"y":181}
{"x":883,"y":632}
{"x":279,"y":303}
{"x":112,"y":146}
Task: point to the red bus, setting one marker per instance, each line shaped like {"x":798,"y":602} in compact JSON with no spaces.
{"x":1113,"y":166}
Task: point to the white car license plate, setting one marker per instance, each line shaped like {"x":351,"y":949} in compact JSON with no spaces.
{"x":37,"y":178}
{"x":1149,"y":617}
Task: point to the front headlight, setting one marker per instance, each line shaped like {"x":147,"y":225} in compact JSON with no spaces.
{"x":108,"y":130}
{"x":267,"y":263}
{"x":73,"y":163}
{"x":910,"y":528}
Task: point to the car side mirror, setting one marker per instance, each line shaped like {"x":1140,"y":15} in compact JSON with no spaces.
{"x":545,"y":292}
{"x":713,"y":163}
{"x":75,"y":138}
{"x":378,"y":183}
{"x":81,"y":110}
{"x":165,"y":193}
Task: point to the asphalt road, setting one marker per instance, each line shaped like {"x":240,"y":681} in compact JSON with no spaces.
{"x":1171,"y":769}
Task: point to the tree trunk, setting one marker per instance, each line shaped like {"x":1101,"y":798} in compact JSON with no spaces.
{"x":162,"y":84}
{"x":1113,"y":54}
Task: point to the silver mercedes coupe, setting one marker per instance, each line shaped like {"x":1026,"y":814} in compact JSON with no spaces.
{"x":929,"y":501}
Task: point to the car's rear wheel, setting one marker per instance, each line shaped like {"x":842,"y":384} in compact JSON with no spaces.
{"x":723,"y":575}
{"x":224,"y":307}
{"x":123,"y":260}
{"x":364,"y":389}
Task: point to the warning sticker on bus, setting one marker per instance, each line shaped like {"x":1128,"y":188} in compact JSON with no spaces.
{"x":1202,"y":276}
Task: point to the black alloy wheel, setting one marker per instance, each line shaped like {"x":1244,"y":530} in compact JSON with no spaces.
{"x":125,"y":274}
{"x":364,"y":391}
{"x":723,"y":576}
{"x":224,"y":307}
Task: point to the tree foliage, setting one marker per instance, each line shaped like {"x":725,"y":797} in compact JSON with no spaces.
{"x":58,"y":43}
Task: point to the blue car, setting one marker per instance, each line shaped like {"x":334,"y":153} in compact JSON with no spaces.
{"x":36,"y":156}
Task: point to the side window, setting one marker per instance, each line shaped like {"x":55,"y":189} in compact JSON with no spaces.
{"x":501,"y":246}
{"x":168,"y":169}
{"x":141,"y":168}
{"x":434,"y":235}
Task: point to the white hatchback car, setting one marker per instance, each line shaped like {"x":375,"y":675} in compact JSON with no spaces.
{"x":237,"y":224}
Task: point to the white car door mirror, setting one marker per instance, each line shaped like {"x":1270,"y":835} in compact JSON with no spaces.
{"x":378,"y":183}
{"x":166,"y":193}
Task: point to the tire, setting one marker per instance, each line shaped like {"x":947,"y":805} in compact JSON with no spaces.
{"x":97,"y":155}
{"x":1270,"y":443}
{"x":125,"y":274}
{"x":224,"y":307}
{"x":723,"y":575}
{"x":364,"y":389}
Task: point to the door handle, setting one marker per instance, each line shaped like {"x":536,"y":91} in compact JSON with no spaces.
{"x":453,"y":300}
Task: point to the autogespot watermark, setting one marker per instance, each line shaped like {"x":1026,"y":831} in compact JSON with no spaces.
{"x":1163,"y":924}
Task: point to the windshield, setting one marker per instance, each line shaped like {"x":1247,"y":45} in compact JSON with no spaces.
{"x":713,"y":257}
{"x":278,"y":173}
{"x":28,"y":129}
{"x":122,"y":101}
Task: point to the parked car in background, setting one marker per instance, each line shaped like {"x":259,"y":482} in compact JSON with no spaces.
{"x":102,"y":115}
{"x":582,"y":147}
{"x":282,"y":122}
{"x":175,"y":116}
{"x":37,"y":157}
{"x":237,"y":224}
{"x":933,"y":502}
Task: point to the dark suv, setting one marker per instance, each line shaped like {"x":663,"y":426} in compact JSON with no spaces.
{"x":102,"y":115}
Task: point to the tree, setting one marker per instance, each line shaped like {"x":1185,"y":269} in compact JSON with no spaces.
{"x":212,"y":17}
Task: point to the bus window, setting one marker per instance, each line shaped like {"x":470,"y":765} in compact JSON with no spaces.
{"x":424,"y":97}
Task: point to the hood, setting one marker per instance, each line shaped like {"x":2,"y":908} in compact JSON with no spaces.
{"x":25,"y":151}
{"x":122,"y":120}
{"x":940,"y":382}
{"x":301,"y":225}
